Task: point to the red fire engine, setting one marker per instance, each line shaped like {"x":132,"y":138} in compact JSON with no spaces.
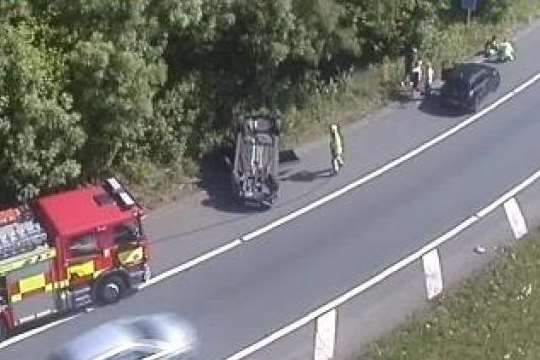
{"x":69,"y":250}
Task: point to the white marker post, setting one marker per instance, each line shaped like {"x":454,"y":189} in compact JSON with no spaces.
{"x":515,"y":217}
{"x":325,"y":336}
{"x":433,"y":273}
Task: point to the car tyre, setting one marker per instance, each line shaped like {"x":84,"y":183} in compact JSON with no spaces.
{"x":476,"y":105}
{"x":110,"y":289}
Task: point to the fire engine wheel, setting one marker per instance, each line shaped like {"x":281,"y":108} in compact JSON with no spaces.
{"x":111,"y":289}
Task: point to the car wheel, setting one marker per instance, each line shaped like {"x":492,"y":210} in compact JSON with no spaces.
{"x":3,"y":330}
{"x":492,"y":85}
{"x":111,"y":289}
{"x":476,"y":105}
{"x":496,"y":81}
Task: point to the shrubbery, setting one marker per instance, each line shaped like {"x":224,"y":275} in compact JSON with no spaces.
{"x":91,"y":87}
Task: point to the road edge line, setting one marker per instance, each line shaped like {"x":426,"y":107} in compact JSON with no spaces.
{"x":392,"y":164}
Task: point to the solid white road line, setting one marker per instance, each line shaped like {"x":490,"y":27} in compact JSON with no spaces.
{"x":352,"y":293}
{"x":176,"y":270}
{"x":510,"y":194}
{"x":318,"y":203}
{"x":158,"y":278}
{"x":389,"y":166}
{"x":382,"y":275}
{"x":35,"y":331}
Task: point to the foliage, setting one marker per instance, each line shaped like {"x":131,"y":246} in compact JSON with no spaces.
{"x":89,"y":87}
{"x":113,"y":90}
{"x":39,"y":131}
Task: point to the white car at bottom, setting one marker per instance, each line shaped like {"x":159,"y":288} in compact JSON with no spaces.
{"x":149,"y":337}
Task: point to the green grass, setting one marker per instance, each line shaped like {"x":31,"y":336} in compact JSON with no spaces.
{"x":355,"y":96}
{"x":155,"y":185}
{"x":495,"y":315}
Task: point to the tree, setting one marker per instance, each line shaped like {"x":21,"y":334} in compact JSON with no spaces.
{"x":113,"y":90}
{"x":39,"y":131}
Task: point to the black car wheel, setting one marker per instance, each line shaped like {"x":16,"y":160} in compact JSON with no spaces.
{"x":110,"y":289}
{"x":495,"y":83}
{"x":476,"y":104}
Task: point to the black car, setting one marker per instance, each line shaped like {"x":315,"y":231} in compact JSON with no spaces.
{"x":466,"y":85}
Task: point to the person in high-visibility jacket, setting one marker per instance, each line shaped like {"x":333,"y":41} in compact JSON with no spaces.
{"x":506,"y":51}
{"x":336,"y":147}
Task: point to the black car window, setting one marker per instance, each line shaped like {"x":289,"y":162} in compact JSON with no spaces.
{"x":479,"y":79}
{"x":126,"y":233}
{"x":457,"y":87}
{"x":145,"y":329}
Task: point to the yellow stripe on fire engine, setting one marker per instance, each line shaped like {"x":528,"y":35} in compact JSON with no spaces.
{"x":81,"y":270}
{"x":11,"y":266}
{"x":19,"y":262}
{"x":48,"y":255}
{"x":131,"y":256}
{"x":32,"y":283}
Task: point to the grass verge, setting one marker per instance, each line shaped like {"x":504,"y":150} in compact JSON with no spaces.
{"x":495,"y":315}
{"x":155,"y":186}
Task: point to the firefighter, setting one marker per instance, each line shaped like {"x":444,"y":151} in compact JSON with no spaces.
{"x":336,"y":147}
{"x":411,"y":55}
{"x":417,"y":75}
{"x":429,"y":74}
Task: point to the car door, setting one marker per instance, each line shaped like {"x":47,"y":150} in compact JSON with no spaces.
{"x":481,"y":86}
{"x":81,"y":254}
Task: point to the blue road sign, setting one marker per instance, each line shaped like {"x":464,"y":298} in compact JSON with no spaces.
{"x":469,"y":4}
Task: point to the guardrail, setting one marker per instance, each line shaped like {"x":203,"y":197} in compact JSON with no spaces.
{"x":325,"y":317}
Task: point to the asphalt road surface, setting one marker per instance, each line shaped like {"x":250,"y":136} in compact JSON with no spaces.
{"x":242,"y":295}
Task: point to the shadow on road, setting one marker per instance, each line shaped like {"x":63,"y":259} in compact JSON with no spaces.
{"x":404,"y":95}
{"x":216,"y":182}
{"x":308,"y":176}
{"x":432,"y":105}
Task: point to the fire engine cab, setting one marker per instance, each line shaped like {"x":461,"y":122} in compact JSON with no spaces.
{"x":70,"y":250}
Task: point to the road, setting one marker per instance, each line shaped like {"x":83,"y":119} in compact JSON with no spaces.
{"x":238,"y":297}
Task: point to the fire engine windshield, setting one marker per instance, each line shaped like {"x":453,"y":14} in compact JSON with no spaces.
{"x":129,"y":232}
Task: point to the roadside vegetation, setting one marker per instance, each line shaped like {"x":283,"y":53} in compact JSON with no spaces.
{"x":495,"y":315}
{"x":145,"y":88}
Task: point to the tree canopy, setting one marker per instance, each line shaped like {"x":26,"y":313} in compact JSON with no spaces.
{"x":87,"y":86}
